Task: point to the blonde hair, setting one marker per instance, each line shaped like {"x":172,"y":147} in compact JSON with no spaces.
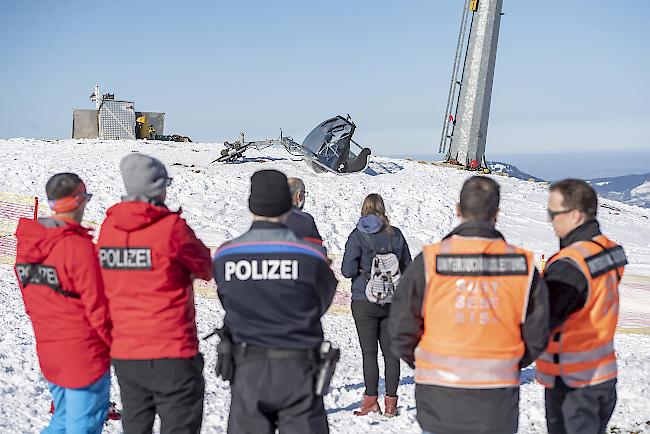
{"x":373,"y":204}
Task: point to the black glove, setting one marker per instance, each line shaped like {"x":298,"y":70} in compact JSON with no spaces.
{"x":225,"y":366}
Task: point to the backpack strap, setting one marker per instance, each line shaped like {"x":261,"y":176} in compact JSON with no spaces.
{"x":370,"y":243}
{"x":372,"y":247}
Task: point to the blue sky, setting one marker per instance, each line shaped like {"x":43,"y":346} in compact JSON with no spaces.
{"x":571,"y":77}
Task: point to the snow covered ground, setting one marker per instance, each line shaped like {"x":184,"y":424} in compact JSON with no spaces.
{"x":420,"y":199}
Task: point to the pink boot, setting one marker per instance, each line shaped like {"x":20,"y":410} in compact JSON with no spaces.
{"x":369,"y":404}
{"x":390,"y":406}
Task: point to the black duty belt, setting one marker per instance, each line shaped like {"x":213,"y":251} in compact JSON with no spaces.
{"x":248,"y":351}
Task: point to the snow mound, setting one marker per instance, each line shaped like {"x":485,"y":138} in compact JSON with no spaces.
{"x":420,"y":200}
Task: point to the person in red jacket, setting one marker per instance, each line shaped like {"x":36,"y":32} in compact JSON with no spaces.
{"x":149,"y":257}
{"x":61,"y":284}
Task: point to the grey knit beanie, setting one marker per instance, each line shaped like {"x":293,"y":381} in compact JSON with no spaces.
{"x":145,"y":178}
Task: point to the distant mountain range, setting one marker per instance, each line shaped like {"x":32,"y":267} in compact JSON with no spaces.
{"x":629,"y":189}
{"x":510,"y":170}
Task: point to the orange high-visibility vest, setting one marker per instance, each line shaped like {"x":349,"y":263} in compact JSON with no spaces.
{"x":474,"y":304}
{"x":581,"y":351}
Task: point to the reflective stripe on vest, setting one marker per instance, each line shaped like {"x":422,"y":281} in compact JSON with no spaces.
{"x":473,"y":373}
{"x":589,"y":355}
{"x":475,"y":301}
{"x":581,"y":351}
{"x":582,"y":375}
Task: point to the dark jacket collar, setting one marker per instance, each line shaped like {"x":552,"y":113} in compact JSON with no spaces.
{"x":584,"y":232}
{"x":260,"y":224}
{"x":475,"y":229}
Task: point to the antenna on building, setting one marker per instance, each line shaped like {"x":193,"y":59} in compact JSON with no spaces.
{"x":96,"y":97}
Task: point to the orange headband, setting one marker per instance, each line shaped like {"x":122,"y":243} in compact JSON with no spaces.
{"x":71,"y":202}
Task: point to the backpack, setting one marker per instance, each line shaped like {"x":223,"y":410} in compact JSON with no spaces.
{"x":384,"y":274}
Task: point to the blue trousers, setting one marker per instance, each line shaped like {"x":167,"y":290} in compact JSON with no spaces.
{"x":80,"y":411}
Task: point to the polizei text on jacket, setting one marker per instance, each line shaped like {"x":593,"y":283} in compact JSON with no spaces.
{"x":266,"y":269}
{"x":125,"y":258}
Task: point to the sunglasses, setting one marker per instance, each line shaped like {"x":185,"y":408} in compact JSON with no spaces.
{"x":553,"y":214}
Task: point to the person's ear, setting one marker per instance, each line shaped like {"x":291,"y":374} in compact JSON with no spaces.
{"x":458,"y":213}
{"x":496,"y":214}
{"x":578,"y":217}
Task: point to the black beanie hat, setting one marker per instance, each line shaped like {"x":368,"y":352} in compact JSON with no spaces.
{"x":270,"y":195}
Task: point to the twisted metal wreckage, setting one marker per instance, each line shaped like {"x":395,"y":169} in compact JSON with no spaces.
{"x":328,"y":148}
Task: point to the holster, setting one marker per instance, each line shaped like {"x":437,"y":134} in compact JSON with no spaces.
{"x":225,"y":366}
{"x":329,"y":357}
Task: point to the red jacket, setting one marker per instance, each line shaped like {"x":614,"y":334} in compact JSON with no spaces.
{"x":149,"y":257}
{"x":60,"y":280}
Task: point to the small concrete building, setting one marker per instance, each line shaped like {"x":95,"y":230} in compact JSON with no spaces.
{"x":115,"y":120}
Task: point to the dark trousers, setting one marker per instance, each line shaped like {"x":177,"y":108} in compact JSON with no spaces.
{"x":275,"y":393}
{"x":173,"y":388}
{"x":371,"y":320}
{"x":579,"y":411}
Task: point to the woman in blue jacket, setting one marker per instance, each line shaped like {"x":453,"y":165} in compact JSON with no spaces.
{"x":374,"y":236}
